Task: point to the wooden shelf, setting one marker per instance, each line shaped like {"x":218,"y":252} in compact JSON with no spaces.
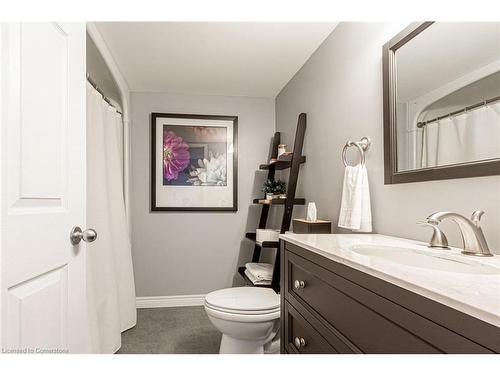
{"x":282,"y":163}
{"x":296,"y":201}
{"x":267,"y":244}
{"x":286,"y":161}
{"x":241,"y":271}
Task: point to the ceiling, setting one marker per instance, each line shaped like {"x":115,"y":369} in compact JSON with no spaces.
{"x":212,"y":58}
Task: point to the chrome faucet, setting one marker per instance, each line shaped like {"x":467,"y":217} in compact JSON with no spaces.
{"x":470,"y":229}
{"x":438,"y":239}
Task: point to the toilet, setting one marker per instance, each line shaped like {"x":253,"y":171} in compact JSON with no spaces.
{"x":247,"y":317}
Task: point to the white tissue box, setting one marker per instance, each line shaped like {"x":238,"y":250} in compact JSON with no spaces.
{"x":267,"y":235}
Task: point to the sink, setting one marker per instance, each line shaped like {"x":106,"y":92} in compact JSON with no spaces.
{"x":426,"y":259}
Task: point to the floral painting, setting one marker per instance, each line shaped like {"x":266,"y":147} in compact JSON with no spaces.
{"x":194,"y":162}
{"x":194,"y":155}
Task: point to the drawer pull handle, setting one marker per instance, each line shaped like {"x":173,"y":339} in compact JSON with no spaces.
{"x":299,"y":342}
{"x":299,"y":284}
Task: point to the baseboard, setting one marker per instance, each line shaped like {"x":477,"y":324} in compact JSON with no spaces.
{"x":169,"y":301}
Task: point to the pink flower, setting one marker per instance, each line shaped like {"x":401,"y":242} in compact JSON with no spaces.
{"x":175,"y":155}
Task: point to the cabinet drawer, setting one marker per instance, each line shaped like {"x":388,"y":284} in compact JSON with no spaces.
{"x":372,"y":323}
{"x":301,"y":337}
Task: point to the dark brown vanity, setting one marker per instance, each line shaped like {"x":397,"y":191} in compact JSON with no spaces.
{"x":328,"y":307}
{"x":369,"y":293}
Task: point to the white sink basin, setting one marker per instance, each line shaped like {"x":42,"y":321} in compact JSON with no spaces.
{"x":426,"y":259}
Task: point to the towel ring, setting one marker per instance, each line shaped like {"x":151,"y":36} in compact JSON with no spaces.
{"x":363,"y":145}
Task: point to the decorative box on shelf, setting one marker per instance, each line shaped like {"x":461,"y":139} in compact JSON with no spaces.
{"x":306,"y":226}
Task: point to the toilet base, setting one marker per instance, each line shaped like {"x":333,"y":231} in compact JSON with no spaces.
{"x":230,"y":345}
{"x":273,"y":346}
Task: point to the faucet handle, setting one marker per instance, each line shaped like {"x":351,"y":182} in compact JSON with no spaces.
{"x":438,"y":238}
{"x":476,"y":217}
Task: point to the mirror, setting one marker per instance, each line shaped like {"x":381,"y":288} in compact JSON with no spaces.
{"x":442,"y":101}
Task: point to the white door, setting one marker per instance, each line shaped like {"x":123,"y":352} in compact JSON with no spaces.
{"x":42,"y":109}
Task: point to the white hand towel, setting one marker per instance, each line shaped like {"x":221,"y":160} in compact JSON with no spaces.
{"x":261,"y":271}
{"x":355,"y":209}
{"x":256,"y":281}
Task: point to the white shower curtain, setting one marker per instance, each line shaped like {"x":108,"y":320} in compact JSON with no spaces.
{"x":110,"y":281}
{"x":468,"y":137}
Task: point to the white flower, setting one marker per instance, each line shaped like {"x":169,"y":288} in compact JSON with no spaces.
{"x":211,"y":172}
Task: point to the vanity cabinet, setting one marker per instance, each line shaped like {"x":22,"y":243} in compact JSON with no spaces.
{"x":328,"y":307}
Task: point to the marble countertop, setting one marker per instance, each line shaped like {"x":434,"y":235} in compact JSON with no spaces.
{"x":475,"y":294}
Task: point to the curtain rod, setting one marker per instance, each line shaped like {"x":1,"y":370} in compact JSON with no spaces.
{"x":421,"y":124}
{"x":104,"y":97}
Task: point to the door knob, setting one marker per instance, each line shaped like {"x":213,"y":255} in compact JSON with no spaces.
{"x":76,"y":235}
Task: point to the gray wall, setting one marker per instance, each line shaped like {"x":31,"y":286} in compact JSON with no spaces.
{"x":177,"y":253}
{"x":340,"y":89}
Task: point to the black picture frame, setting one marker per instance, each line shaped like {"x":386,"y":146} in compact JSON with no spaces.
{"x":391,"y":174}
{"x":154,"y":206}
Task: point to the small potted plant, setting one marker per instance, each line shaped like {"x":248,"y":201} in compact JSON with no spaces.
{"x":274,"y":189}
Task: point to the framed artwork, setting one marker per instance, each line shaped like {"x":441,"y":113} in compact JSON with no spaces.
{"x":194,"y":162}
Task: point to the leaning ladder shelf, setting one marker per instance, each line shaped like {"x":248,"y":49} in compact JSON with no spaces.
{"x":293,"y":163}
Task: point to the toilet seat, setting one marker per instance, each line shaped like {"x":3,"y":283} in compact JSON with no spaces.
{"x":247,"y":301}
{"x":240,"y":317}
{"x":240,"y":311}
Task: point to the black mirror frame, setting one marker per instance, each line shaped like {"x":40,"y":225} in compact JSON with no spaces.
{"x":391,"y":175}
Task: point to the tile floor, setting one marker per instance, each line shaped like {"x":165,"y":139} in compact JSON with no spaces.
{"x":171,"y":330}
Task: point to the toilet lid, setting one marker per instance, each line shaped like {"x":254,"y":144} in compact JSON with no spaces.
{"x":244,"y":299}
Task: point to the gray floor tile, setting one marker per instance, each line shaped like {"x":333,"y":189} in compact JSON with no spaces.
{"x":171,"y":330}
